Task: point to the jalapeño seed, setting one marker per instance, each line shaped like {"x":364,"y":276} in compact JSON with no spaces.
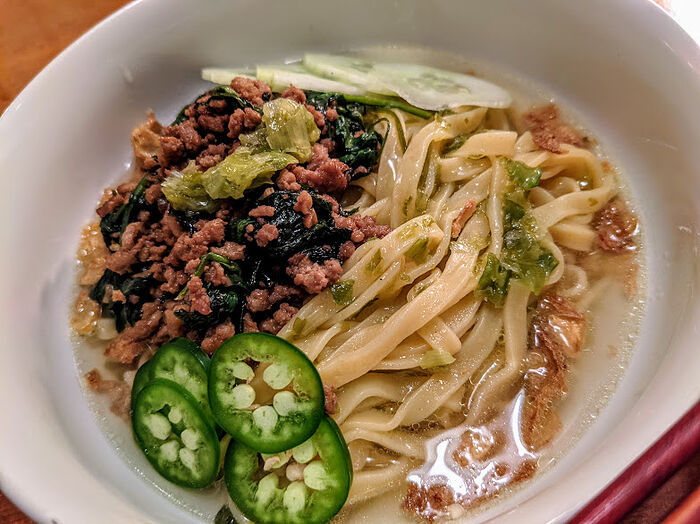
{"x":169,"y":450}
{"x":315,"y":476}
{"x":242,"y":371}
{"x":284,"y":402}
{"x":159,"y":426}
{"x":277,"y":376}
{"x":267,"y":488}
{"x":265,"y":417}
{"x":242,"y":396}
{"x":294,"y":497}
{"x":304,"y":452}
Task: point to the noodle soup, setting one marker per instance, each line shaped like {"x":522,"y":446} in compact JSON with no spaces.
{"x":487,"y":300}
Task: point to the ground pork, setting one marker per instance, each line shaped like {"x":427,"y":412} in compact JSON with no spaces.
{"x":615,"y":227}
{"x":548,"y":132}
{"x":249,"y":325}
{"x":115,"y":198}
{"x":216,"y":336}
{"x":326,"y":175}
{"x":172,"y":325}
{"x":242,"y":120}
{"x":281,"y":292}
{"x":346,"y":250}
{"x":319,"y":119}
{"x":213,"y":123}
{"x":216,"y":275}
{"x":287,"y":181}
{"x":280,"y":317}
{"x":255,"y":91}
{"x":266,"y":234}
{"x":153,"y":193}
{"x":172,"y":150}
{"x":231,"y":250}
{"x":198,"y":297}
{"x":187,"y":134}
{"x":131,"y":342}
{"x":212,"y":155}
{"x":294,"y":93}
{"x":262,"y":299}
{"x":119,"y":392}
{"x":331,"y":114}
{"x":121,"y":261}
{"x":189,"y":247}
{"x":172,"y":279}
{"x":262,"y":211}
{"x":363,"y":228}
{"x":304,"y":205}
{"x":311,"y":276}
{"x":331,"y":403}
{"x":258,"y":300}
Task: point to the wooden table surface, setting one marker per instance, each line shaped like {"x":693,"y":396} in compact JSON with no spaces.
{"x":32,"y":32}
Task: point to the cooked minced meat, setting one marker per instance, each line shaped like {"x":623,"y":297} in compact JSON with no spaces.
{"x":161,"y":277}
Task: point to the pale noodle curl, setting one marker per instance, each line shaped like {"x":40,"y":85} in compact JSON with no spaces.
{"x":413,"y":290}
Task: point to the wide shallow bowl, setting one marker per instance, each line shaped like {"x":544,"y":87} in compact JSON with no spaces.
{"x":625,"y":67}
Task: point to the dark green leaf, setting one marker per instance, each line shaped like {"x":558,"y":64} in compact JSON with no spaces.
{"x":388,"y":103}
{"x":223,"y":301}
{"x":124,"y":313}
{"x":320,"y":242}
{"x":237,"y":227}
{"x":358,"y":151}
{"x":113,"y":224}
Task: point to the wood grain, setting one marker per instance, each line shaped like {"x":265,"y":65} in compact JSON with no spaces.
{"x":32,"y":32}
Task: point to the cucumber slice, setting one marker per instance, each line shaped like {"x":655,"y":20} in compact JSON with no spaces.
{"x":436,"y":89}
{"x":280,"y":76}
{"x":350,"y":70}
{"x":222,"y":75}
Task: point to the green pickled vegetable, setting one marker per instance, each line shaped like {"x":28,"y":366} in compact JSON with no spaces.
{"x":523,"y":256}
{"x":494,"y":281}
{"x":342,"y":292}
{"x":418,"y":251}
{"x":243,"y":170}
{"x":289,"y":128}
{"x":525,"y":176}
{"x":185,"y":191}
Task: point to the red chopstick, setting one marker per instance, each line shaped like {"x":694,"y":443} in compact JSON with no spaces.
{"x":646,"y":473}
{"x":688,"y":512}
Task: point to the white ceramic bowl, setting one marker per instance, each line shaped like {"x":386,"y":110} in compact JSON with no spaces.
{"x":631,"y":73}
